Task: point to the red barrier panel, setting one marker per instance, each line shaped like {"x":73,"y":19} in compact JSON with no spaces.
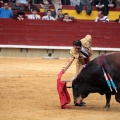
{"x":58,"y":33}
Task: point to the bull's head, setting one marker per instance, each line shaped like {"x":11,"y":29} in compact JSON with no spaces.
{"x":79,"y":89}
{"x":75,"y":88}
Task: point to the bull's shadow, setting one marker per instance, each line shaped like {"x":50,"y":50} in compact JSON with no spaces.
{"x":101,"y":75}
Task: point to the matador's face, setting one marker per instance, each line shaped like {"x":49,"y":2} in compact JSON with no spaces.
{"x":77,"y":48}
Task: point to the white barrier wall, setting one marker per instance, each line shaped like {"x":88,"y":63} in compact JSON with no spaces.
{"x":50,"y":53}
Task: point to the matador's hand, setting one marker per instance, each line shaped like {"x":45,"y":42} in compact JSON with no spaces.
{"x":60,"y":74}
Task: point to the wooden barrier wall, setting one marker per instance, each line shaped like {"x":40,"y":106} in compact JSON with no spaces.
{"x":58,"y":33}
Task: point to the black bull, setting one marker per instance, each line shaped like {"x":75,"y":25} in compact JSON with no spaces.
{"x":91,"y":79}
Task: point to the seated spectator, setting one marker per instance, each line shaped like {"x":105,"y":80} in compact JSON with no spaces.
{"x":57,"y":4}
{"x":20,"y":16}
{"x":101,"y":17}
{"x":48,"y":16}
{"x":118,"y":3}
{"x":109,"y":4}
{"x":60,"y":15}
{"x":29,"y":6}
{"x":118,"y":20}
{"x":80,"y":4}
{"x":67,"y":18}
{"x":5,"y":12}
{"x":100,"y":5}
{"x":88,"y":4}
{"x":34,"y":15}
{"x":45,"y":4}
{"x":17,"y":6}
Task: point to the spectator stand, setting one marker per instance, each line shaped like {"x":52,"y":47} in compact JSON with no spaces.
{"x":114,"y":13}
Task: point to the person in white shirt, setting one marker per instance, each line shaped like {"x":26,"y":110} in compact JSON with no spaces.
{"x":48,"y":16}
{"x":34,"y":15}
{"x":101,"y":17}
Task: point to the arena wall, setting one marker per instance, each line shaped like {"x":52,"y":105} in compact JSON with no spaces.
{"x":53,"y":39}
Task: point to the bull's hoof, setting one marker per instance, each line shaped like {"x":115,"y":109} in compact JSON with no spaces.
{"x":106,"y":108}
{"x":76,"y":104}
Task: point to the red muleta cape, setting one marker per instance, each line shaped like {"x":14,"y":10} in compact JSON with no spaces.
{"x":63,"y":94}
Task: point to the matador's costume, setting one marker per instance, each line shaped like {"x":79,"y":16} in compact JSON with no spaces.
{"x":81,"y":59}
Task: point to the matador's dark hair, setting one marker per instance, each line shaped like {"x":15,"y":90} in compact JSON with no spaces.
{"x":77,"y":43}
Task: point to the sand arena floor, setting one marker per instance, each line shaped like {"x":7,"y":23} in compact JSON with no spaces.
{"x":28,"y":92}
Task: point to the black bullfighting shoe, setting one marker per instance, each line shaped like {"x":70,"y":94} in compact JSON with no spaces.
{"x":80,"y":104}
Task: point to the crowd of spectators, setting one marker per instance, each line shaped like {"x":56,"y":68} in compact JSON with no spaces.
{"x":20,"y":6}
